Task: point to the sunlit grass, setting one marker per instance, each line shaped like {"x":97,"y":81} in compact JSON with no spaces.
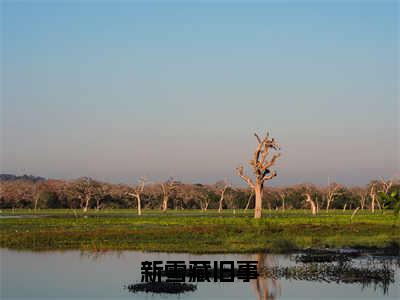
{"x":195,"y":231}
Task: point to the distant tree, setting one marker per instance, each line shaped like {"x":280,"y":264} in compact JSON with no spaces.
{"x":85,"y":189}
{"x":137,"y":192}
{"x":167,"y":188}
{"x":49,"y":199}
{"x":362,"y":194}
{"x":310,"y":193}
{"x":282,"y":194}
{"x":221,"y":187}
{"x":261,"y":169}
{"x":331,"y":192}
{"x":373,"y":195}
{"x":313,"y":206}
{"x":203,"y":195}
{"x":389,"y":196}
{"x":248,"y":200}
{"x":17,"y":193}
{"x":392,"y":201}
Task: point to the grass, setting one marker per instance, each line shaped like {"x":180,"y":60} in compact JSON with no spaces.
{"x":194,"y":231}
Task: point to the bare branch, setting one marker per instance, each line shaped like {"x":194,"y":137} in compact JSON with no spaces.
{"x":272,"y":175}
{"x":271,"y":162}
{"x":257,"y":137}
{"x":240,"y":171}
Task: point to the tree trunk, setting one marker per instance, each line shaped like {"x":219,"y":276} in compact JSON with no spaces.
{"x":258,"y":192}
{"x":139,"y":206}
{"x":312,"y":203}
{"x":373,"y":204}
{"x":85,"y":209}
{"x":248,"y":203}
{"x":220,"y":203}
{"x":221,"y":200}
{"x":379,"y":204}
{"x":165,"y":203}
{"x":353,"y":214}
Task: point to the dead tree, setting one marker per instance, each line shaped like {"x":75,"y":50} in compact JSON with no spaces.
{"x":317,"y":204}
{"x":386,"y":185}
{"x":167,"y":188}
{"x":372,"y":194}
{"x":85,"y":189}
{"x":362,"y":193}
{"x":36,"y":197}
{"x":137,"y":192}
{"x":331,"y":193}
{"x":383,"y":188}
{"x":282,"y":195}
{"x":222,"y":191}
{"x":248,"y":201}
{"x":261,"y":169}
{"x":204,"y":202}
{"x":201,"y":193}
{"x":312,"y":204}
{"x":354,"y":213}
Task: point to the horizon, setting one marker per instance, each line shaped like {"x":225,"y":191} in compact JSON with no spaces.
{"x":116,"y":92}
{"x":241,"y":185}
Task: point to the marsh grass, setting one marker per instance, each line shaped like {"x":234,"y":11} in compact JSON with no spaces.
{"x":194,"y":231}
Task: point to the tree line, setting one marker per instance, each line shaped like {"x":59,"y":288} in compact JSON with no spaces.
{"x":89,"y":194}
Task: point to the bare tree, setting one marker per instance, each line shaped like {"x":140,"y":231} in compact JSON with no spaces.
{"x":312,"y":204}
{"x":204,"y":202}
{"x":362,"y":193}
{"x":331,"y":192}
{"x":37,"y":195}
{"x":167,"y":188}
{"x":261,"y":169}
{"x":248,"y":201}
{"x":386,"y":185}
{"x":282,"y":195}
{"x":85,"y":189}
{"x":201,"y":193}
{"x":373,"y":195}
{"x":354,"y":213}
{"x":222,"y":187}
{"x":137,"y":192}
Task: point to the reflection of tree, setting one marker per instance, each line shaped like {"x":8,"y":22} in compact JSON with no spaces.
{"x":323,"y":267}
{"x":266,"y":288}
{"x":100,"y":254}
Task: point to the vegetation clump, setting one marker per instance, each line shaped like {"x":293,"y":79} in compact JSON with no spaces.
{"x":161,"y":287}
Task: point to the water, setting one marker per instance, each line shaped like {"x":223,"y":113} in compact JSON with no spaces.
{"x":77,"y":275}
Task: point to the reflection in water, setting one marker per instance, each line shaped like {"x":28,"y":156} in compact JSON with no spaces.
{"x":343,"y":269}
{"x":101,"y":254}
{"x":161,"y":287}
{"x":266,"y":288}
{"x":365,"y":271}
{"x":89,"y":275}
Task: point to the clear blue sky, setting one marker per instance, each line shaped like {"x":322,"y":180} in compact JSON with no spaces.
{"x":119,"y":91}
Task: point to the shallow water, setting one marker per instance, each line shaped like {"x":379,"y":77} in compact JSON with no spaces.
{"x":77,"y":275}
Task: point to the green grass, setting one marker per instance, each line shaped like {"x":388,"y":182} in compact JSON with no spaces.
{"x":194,"y":231}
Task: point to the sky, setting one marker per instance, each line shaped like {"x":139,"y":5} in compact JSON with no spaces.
{"x":117,"y":91}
